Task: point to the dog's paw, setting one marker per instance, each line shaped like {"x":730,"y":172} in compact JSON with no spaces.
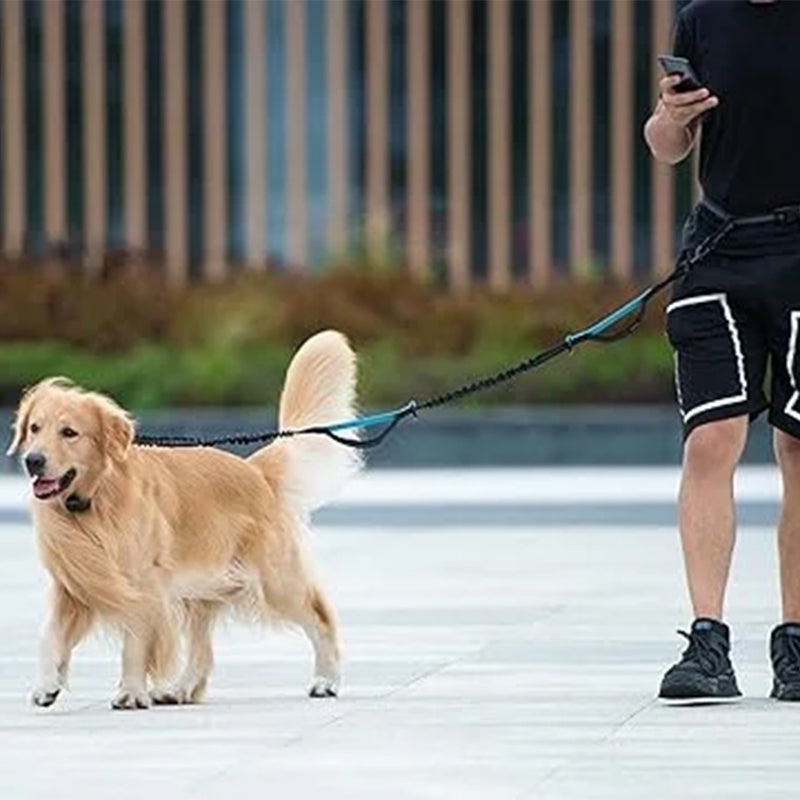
{"x":45,"y":696}
{"x":130,"y":700}
{"x":171,"y":697}
{"x":178,"y":695}
{"x":165,"y":697}
{"x":323,"y":687}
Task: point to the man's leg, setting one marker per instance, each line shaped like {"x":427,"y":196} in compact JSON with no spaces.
{"x":785,"y":639}
{"x":787,"y":453}
{"x":707,"y":522}
{"x":706,"y":510}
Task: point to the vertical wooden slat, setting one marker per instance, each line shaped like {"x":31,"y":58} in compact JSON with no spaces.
{"x":337,"y":124}
{"x":94,"y":133}
{"x":296,"y":234}
{"x":663,"y":214}
{"x":419,"y":132}
{"x":53,"y":122}
{"x":622,"y":97}
{"x":377,"y":47}
{"x":540,"y":104}
{"x":499,"y":145}
{"x":580,"y":136}
{"x":14,"y":188}
{"x":134,"y":116}
{"x":175,"y":141}
{"x":215,"y":178}
{"x":256,"y":132}
{"x":459,"y":146}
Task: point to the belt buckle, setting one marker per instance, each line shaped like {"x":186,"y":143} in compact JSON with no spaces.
{"x":787,"y":215}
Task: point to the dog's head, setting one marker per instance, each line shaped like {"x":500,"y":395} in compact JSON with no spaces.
{"x":68,"y":438}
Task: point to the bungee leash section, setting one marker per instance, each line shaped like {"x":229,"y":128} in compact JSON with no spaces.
{"x":389,"y":419}
{"x":598,"y":332}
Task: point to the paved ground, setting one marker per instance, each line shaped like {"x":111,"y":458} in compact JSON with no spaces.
{"x":485,"y":660}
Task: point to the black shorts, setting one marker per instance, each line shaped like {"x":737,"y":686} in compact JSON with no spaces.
{"x":734,"y":317}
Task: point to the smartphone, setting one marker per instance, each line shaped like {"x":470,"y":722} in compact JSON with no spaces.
{"x":677,"y":65}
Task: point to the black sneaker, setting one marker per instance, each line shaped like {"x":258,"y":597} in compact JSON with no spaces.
{"x":784,"y":650}
{"x":704,"y":674}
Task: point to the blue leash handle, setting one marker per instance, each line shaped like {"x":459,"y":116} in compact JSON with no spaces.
{"x":602,"y":325}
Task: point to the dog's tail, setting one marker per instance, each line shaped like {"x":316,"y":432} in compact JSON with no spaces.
{"x":319,"y":389}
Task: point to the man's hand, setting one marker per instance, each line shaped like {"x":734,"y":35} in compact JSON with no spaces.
{"x":671,"y":130}
{"x":682,"y":108}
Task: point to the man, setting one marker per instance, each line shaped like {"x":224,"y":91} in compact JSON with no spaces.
{"x":736,"y":312}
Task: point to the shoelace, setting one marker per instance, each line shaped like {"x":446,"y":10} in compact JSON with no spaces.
{"x":787,"y":661}
{"x":701,"y":650}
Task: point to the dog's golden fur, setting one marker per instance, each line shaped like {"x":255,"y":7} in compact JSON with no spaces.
{"x":173,"y":538}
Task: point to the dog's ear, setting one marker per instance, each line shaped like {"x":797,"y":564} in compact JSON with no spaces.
{"x":21,"y":421}
{"x":117,"y":429}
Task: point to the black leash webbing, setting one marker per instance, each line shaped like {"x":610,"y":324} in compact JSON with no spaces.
{"x":597,"y":331}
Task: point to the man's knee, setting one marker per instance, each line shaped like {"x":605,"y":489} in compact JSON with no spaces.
{"x":716,"y":446}
{"x":787,"y":451}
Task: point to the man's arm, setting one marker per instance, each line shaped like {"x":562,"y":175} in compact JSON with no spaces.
{"x":671,"y":130}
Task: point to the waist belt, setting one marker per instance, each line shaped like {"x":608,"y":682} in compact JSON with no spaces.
{"x":785,"y":215}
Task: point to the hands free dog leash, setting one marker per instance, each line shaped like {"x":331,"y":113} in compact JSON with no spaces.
{"x":597,"y":332}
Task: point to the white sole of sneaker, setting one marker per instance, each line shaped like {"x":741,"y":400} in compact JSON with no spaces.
{"x":699,"y":701}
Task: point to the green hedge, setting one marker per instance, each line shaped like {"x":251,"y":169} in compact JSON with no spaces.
{"x":230,"y":344}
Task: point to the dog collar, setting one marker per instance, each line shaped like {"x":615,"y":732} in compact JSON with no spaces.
{"x":77,"y":504}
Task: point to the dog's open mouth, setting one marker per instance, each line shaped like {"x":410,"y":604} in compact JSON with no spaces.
{"x":45,"y":488}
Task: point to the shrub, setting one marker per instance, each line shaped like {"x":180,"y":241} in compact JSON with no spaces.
{"x":129,"y":334}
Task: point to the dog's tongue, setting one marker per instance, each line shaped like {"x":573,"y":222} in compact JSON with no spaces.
{"x":42,"y":487}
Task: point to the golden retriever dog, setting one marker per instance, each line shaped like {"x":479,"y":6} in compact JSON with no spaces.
{"x":160,"y":542}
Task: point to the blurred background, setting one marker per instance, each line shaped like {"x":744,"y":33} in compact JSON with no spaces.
{"x":188,"y":188}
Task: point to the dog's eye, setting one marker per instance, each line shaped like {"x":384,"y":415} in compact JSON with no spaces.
{"x":34,"y":428}
{"x":69,"y":433}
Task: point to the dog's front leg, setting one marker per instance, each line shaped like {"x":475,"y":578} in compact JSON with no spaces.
{"x":132,"y":692}
{"x":68,"y":623}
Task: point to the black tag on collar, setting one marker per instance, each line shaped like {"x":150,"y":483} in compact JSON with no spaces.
{"x":77,"y":504}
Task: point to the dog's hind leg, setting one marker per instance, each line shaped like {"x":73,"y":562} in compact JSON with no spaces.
{"x":292,"y":593}
{"x":315,"y":615}
{"x":69,"y":622}
{"x":322,"y":629}
{"x":199,"y":618}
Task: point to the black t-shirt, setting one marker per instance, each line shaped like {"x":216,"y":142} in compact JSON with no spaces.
{"x":748,"y":55}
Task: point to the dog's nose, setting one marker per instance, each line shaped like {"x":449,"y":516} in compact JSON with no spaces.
{"x":35,"y":464}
